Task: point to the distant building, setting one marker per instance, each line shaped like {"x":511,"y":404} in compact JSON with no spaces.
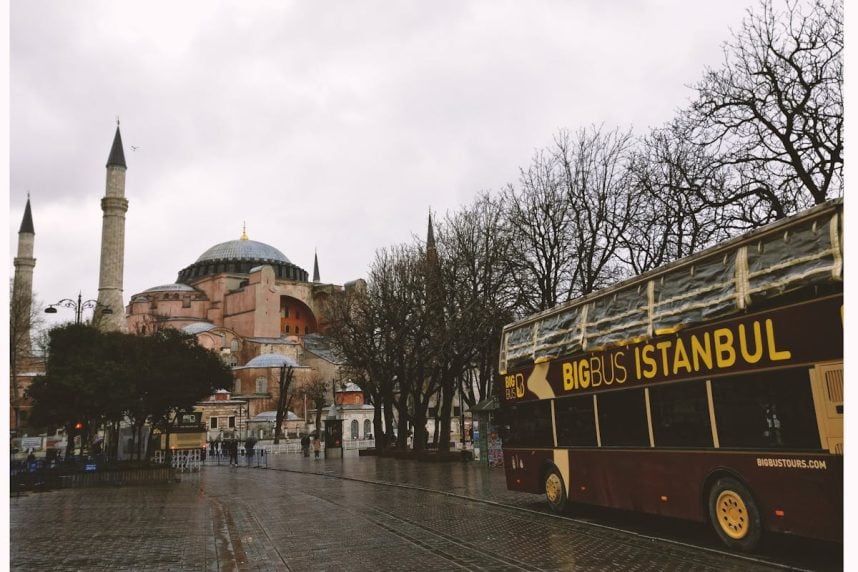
{"x":247,"y":301}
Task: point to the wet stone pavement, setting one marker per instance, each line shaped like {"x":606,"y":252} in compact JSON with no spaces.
{"x":301,"y":514}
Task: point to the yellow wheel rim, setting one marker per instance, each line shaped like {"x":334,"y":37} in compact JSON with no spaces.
{"x":553,"y":488}
{"x":732,"y":515}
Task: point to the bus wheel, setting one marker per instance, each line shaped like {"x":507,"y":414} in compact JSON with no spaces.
{"x":734,"y":514}
{"x":555,"y":491}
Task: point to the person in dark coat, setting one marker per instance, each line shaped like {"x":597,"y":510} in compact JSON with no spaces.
{"x":249,"y":443}
{"x":305,"y":445}
{"x":232,"y":446}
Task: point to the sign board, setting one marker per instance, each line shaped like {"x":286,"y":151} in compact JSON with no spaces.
{"x":31,"y":443}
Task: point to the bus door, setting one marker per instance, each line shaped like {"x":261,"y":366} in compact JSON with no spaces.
{"x":827,"y":387}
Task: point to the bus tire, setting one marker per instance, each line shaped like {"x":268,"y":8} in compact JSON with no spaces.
{"x":555,"y":490}
{"x":734,"y":514}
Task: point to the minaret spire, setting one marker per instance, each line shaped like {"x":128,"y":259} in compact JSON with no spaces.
{"x":109,"y":313}
{"x":316,"y":266}
{"x":430,"y":234}
{"x":22,"y":283}
{"x":117,"y":155}
{"x":27,"y":221}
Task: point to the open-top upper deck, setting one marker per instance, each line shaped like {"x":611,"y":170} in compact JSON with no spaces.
{"x":795,"y":258}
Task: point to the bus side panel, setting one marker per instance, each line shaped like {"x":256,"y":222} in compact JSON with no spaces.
{"x":524,"y":468}
{"x":807,"y":489}
{"x":795,"y":493}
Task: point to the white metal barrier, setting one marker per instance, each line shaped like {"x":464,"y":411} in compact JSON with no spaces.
{"x":183,"y":461}
{"x":288,"y":447}
{"x":350,"y":444}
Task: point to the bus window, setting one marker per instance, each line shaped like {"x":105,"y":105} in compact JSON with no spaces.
{"x":528,"y":425}
{"x":576,"y":424}
{"x":680,"y":415}
{"x":622,"y":418}
{"x":768,"y":410}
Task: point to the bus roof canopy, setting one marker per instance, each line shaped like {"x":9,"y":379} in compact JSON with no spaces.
{"x":802,"y":253}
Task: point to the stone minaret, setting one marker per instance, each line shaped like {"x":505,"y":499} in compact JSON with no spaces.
{"x":22,"y":284}
{"x":114,"y":205}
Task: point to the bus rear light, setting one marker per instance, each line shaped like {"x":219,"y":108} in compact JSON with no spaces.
{"x":779,"y":513}
{"x":663,"y":498}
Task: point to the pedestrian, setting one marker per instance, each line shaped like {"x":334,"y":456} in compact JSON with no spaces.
{"x":233,"y":452}
{"x":248,"y":448}
{"x":305,"y":445}
{"x":317,"y":446}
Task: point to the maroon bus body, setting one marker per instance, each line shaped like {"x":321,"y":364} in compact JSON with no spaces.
{"x":797,"y":492}
{"x":805,"y":491}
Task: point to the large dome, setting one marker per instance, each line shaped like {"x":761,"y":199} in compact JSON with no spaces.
{"x":241,"y":256}
{"x":243,"y":250}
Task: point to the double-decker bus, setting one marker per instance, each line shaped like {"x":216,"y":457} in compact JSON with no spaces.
{"x":710,"y":389}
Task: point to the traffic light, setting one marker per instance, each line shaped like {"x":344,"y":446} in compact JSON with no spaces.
{"x":78,"y":425}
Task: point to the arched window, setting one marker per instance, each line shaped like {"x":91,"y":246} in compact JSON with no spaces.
{"x":355,"y":429}
{"x":367,"y":428}
{"x":234,"y":346}
{"x":261,"y":384}
{"x":237,"y":386}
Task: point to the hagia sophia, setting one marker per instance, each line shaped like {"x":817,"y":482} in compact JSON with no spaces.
{"x":241,"y":298}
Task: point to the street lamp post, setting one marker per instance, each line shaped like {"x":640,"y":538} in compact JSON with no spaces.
{"x":242,"y":405}
{"x":78,"y":306}
{"x":239,"y":422}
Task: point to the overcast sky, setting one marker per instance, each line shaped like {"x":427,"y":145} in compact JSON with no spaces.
{"x":333,"y":126}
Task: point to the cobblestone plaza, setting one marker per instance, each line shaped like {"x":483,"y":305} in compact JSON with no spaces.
{"x":351,"y":514}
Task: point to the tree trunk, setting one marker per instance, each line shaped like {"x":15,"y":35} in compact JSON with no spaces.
{"x":447,"y":393}
{"x":69,"y":441}
{"x":285,"y":382}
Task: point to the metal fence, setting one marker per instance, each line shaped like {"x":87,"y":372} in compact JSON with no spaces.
{"x":183,"y":461}
{"x":33,"y":475}
{"x":257,"y":458}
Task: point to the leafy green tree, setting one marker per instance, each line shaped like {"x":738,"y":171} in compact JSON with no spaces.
{"x":98,"y":378}
{"x":178,"y":373}
{"x":82,"y":387}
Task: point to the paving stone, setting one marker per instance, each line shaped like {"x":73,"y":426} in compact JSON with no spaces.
{"x":331,"y":515}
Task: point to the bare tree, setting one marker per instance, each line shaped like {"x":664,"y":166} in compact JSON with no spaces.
{"x":668,"y":175}
{"x":538,"y":216}
{"x":25,"y":321}
{"x":355,"y":330}
{"x":593,"y":166}
{"x":476,"y":257}
{"x":772,"y":115}
{"x":315,"y":390}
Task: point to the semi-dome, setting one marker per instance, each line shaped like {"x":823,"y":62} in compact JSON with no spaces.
{"x":241,"y":256}
{"x":198,"y":328}
{"x":169,"y":288}
{"x":271,"y":416}
{"x":270,"y":360}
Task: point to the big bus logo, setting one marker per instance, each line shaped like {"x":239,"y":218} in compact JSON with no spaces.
{"x":514,"y":386}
